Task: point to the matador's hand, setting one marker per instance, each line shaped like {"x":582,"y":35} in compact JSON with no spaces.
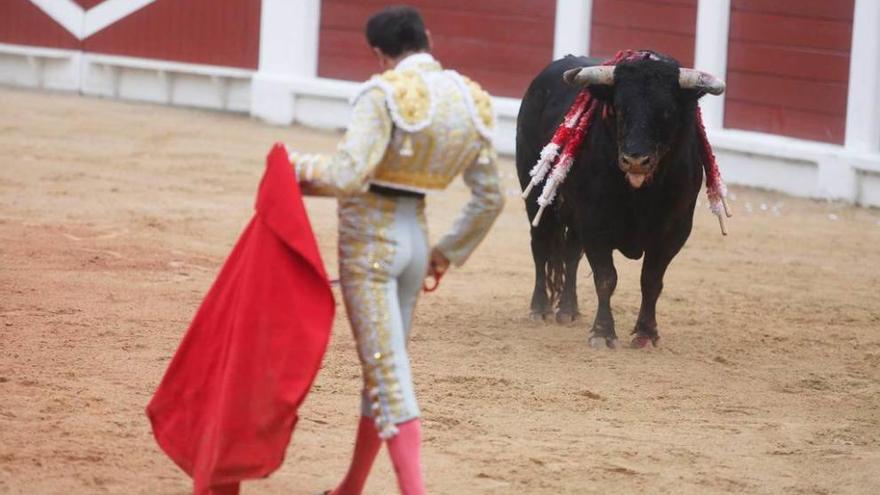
{"x":437,"y":266}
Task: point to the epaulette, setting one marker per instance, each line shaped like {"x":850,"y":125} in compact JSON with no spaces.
{"x":408,"y":95}
{"x":479,"y":103}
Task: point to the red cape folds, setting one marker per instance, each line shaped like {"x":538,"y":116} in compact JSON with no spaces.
{"x":226,"y":408}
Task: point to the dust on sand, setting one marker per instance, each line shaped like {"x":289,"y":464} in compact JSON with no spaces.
{"x":115,"y":218}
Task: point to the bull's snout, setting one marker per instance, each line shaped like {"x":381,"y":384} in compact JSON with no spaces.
{"x":636,"y":164}
{"x":638,"y":168}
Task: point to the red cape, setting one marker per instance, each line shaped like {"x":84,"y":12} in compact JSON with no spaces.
{"x":226,"y":408}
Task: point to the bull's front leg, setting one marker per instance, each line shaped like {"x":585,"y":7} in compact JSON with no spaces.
{"x":653,"y":269}
{"x":605,"y":278}
{"x":657,"y":259}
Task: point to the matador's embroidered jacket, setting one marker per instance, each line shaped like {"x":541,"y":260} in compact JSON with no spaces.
{"x":416,"y":128}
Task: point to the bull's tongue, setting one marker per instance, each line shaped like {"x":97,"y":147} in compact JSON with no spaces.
{"x":636,"y":180}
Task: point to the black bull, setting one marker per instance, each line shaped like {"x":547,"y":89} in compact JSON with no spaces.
{"x":633,"y":185}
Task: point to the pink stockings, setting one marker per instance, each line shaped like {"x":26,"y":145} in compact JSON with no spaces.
{"x":404,"y":450}
{"x":405,"y":455}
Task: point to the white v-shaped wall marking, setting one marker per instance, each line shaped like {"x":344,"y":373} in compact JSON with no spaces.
{"x":84,"y":23}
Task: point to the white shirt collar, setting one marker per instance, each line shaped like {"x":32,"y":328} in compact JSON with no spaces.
{"x":414,"y":60}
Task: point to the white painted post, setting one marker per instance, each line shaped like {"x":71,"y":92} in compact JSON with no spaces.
{"x":863,"y":100}
{"x":710,"y":53}
{"x":288,"y":49}
{"x":572,"y":28}
{"x":165,"y":82}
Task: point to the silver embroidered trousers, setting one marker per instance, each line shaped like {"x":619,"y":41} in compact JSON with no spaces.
{"x":383,"y":257}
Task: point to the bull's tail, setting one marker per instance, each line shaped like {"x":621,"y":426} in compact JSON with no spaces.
{"x":555,"y":266}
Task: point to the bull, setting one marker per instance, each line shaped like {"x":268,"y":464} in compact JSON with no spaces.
{"x":632,"y":186}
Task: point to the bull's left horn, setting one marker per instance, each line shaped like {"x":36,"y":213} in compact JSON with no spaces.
{"x":695,"y":79}
{"x":583,"y":76}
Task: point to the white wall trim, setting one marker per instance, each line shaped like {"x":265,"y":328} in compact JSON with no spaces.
{"x":165,"y":82}
{"x":65,"y":12}
{"x":710,"y":53}
{"x":289,"y":37}
{"x":167,"y":66}
{"x":288,"y":52}
{"x":49,"y":68}
{"x":36,"y":51}
{"x":572,"y":28}
{"x":105,"y":14}
{"x":83,"y":24}
{"x":863,"y":100}
{"x":156,"y":81}
{"x":795,"y":166}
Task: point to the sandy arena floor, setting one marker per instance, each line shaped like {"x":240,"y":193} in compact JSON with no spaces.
{"x":115,"y":217}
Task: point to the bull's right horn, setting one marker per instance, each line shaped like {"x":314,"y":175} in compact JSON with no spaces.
{"x":697,"y":79}
{"x":584,"y":76}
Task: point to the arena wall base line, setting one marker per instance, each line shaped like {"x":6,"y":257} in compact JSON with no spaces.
{"x":170,"y":83}
{"x":129,"y":78}
{"x":46,"y":68}
{"x":798,"y":167}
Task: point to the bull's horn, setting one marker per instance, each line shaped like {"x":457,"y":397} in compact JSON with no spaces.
{"x":582,"y":76}
{"x":695,"y":79}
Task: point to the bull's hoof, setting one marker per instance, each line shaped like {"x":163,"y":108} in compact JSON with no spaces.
{"x":565,"y":317}
{"x":642,"y":341}
{"x":599,"y":342}
{"x":538,"y":317}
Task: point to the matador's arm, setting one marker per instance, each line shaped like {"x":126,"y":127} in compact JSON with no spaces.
{"x":349,"y":169}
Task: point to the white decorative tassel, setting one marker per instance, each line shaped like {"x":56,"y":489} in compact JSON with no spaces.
{"x":718,"y":204}
{"x":548,"y":194}
{"x":542,"y":166}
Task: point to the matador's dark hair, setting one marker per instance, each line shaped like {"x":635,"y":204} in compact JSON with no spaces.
{"x":396,"y":30}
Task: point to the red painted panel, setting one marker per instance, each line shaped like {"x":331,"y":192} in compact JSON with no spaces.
{"x":811,"y":9}
{"x":342,"y":42}
{"x":788,"y":61}
{"x":476,"y":53}
{"x":347,"y":67}
{"x":785,"y":92}
{"x":639,"y":14}
{"x":666,"y":27}
{"x":195,"y":31}
{"x":537,"y":9}
{"x":786,"y":122}
{"x":788,"y":67}
{"x":22,"y":23}
{"x":87,"y":4}
{"x":500,"y":43}
{"x":453,"y":51}
{"x":503,"y":83}
{"x":607,"y":41}
{"x":794,"y":31}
